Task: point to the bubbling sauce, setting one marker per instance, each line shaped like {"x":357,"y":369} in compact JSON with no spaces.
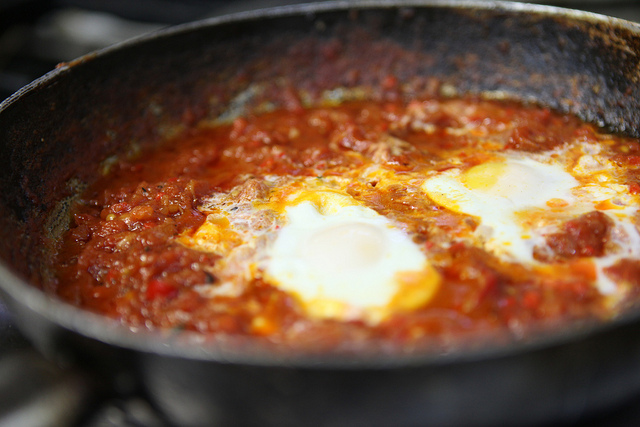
{"x":404,"y":224}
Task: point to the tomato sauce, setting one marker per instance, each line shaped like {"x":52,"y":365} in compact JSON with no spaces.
{"x":120,"y":256}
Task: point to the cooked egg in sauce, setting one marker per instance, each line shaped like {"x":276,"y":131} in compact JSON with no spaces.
{"x":519,"y":201}
{"x":337,"y":257}
{"x":378,"y":224}
{"x":346,"y":261}
{"x":495,"y":192}
{"x":342,"y":260}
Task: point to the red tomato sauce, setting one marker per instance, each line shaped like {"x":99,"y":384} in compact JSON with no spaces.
{"x":120,"y":256}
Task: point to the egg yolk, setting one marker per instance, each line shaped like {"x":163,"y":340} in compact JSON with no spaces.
{"x":497,"y":193}
{"x":348,"y":262}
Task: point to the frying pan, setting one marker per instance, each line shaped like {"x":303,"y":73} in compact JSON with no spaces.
{"x":59,"y":131}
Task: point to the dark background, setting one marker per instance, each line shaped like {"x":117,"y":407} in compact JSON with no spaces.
{"x":35,"y":35}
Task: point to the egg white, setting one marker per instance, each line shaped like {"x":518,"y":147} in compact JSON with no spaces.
{"x":338,"y":258}
{"x":519,"y":201}
{"x":495,"y":192}
{"x":348,"y":262}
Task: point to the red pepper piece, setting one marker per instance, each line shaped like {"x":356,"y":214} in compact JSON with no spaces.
{"x":160,"y":289}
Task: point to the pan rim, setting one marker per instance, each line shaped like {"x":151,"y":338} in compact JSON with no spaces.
{"x":247,"y":351}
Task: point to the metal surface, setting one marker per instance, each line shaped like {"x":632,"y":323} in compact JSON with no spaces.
{"x":54,"y":133}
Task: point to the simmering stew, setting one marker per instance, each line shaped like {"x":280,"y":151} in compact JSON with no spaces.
{"x":400,"y":224}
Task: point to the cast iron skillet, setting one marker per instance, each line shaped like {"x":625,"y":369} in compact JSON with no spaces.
{"x":55,"y":133}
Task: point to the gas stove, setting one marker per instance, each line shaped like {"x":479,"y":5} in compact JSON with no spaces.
{"x":35,"y":35}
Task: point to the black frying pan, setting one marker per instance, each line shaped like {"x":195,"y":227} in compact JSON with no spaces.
{"x":55,"y":132}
